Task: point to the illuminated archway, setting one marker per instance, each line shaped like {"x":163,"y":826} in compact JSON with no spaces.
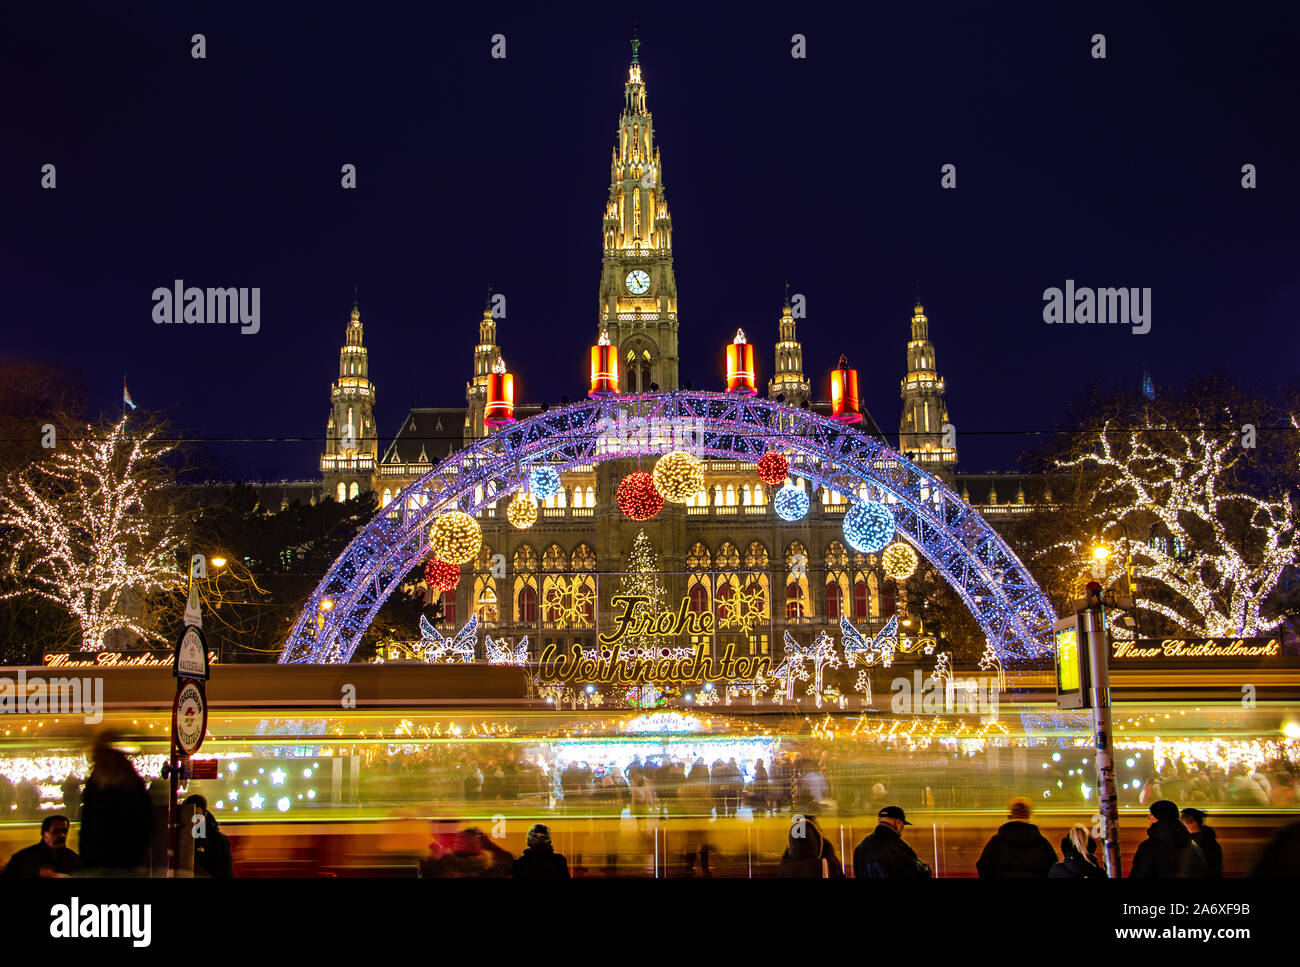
{"x":1004,"y":599}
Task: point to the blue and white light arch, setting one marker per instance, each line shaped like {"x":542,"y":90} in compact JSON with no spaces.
{"x":1004,"y":599}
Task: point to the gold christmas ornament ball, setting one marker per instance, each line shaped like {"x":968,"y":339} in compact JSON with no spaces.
{"x":679,"y":476}
{"x":455,"y":537}
{"x":522,"y":511}
{"x":899,"y":560}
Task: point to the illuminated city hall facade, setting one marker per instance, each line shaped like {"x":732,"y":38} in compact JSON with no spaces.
{"x":727,"y":543}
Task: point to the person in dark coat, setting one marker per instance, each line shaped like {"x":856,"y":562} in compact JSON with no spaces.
{"x":808,"y":854}
{"x":1281,"y":857}
{"x":1017,"y":849}
{"x":212,"y":855}
{"x":1204,"y":837}
{"x":1078,"y":857}
{"x":884,"y":855}
{"x":116,"y":812}
{"x":539,"y":860}
{"x":1169,"y":852}
{"x":49,"y":857}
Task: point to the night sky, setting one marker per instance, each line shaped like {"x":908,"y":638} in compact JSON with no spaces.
{"x":474,"y":172}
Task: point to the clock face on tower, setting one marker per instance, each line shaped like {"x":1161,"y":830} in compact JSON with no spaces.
{"x":637,"y":282}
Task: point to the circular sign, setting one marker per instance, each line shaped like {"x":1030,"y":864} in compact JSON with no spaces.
{"x":190,"y":717}
{"x":191,"y":654}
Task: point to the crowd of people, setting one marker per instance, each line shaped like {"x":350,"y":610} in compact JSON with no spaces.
{"x":118,"y":826}
{"x":1178,"y":845}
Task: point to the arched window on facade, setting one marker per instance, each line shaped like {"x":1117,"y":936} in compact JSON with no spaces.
{"x":526,"y":612}
{"x":861,"y":607}
{"x":387,"y":498}
{"x":698,"y":597}
{"x":888,"y":598}
{"x":794,"y":604}
{"x":353,"y":490}
{"x":342,"y":492}
{"x":833,"y":595}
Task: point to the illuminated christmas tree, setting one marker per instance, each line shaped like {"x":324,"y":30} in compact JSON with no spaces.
{"x":641,"y":577}
{"x":89,"y":529}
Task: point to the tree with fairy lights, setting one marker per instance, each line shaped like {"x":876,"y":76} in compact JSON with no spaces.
{"x":641,"y":577}
{"x":90,"y":528}
{"x":1187,"y":503}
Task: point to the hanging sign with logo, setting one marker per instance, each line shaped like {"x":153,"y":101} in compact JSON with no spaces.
{"x":191,"y":654}
{"x":190,"y":717}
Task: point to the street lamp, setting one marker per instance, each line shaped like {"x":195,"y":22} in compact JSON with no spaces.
{"x":218,"y":561}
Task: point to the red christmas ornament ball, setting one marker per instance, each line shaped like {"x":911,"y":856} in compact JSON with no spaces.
{"x":773,"y":468}
{"x":441,"y":575}
{"x":637,"y":496}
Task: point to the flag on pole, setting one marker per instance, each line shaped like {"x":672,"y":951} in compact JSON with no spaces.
{"x":126,"y":394}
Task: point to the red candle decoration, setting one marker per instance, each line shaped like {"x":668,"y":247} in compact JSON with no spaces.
{"x":845,"y":405}
{"x":604,"y":368}
{"x":637,"y":496}
{"x":500,"y":409}
{"x":773,"y":468}
{"x":740,"y":366}
{"x":442,"y":575}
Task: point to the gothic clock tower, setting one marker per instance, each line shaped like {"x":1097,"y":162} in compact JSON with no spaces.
{"x":638,"y":292}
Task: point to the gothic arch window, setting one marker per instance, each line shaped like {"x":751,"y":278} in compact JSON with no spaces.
{"x":449,"y":607}
{"x":833,"y":597}
{"x":756,"y":557}
{"x":731,"y":495}
{"x":485,"y":598}
{"x":861,"y":603}
{"x":353,"y":490}
{"x":745,"y":495}
{"x":717,"y":495}
{"x":798,"y":602}
{"x":888,"y":598}
{"x":342,"y":492}
{"x":526,"y":602}
{"x":485,"y":558}
{"x":728,"y":558}
{"x":555,"y":559}
{"x":794,"y":602}
{"x":698,"y":596}
{"x":698,"y":558}
{"x":525,"y":559}
{"x":584,"y":558}
{"x":388,"y":497}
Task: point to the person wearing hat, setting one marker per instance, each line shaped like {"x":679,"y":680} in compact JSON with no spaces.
{"x":884,"y":855}
{"x":1204,"y":837}
{"x":1017,"y":850}
{"x":539,"y":860}
{"x":1169,"y":852}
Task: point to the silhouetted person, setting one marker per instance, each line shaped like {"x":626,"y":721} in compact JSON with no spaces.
{"x":1017,"y":849}
{"x":1078,"y":857}
{"x":49,"y":857}
{"x":539,"y":860}
{"x":808,"y":854}
{"x":1204,"y":837}
{"x":212,"y":855}
{"x":1169,"y":852}
{"x":883,"y":855}
{"x":116,"y":813}
{"x":1281,"y":857}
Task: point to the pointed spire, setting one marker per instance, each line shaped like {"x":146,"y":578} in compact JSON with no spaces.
{"x":636,"y":42}
{"x":787,"y":293}
{"x":355,"y":303}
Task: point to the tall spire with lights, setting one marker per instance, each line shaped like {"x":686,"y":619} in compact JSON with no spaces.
{"x":486,"y":355}
{"x":921,"y":427}
{"x":789,"y":380}
{"x":638,"y":291}
{"x":351,"y":443}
